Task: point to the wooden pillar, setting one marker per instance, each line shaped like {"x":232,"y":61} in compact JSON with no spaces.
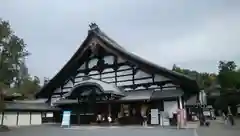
{"x":180,"y":102}
{"x":2,"y":118}
{"x":109,"y":110}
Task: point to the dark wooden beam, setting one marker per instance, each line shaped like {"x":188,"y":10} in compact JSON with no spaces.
{"x":61,"y":94}
{"x":115,"y":68}
{"x":133,"y":75}
{"x":104,"y":72}
{"x":153,"y":78}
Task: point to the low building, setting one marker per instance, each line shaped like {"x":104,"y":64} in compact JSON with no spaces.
{"x":27,"y":112}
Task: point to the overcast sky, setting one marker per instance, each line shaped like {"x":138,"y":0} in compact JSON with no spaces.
{"x":193,"y":34}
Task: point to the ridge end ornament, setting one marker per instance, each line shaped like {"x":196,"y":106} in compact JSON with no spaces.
{"x":93,"y":26}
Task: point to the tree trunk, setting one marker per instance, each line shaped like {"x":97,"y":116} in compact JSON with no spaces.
{"x":2,"y":105}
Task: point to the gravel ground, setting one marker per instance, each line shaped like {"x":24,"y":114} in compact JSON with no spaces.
{"x":218,"y":128}
{"x":47,"y":130}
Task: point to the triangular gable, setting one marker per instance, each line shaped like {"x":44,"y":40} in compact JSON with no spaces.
{"x":95,"y":35}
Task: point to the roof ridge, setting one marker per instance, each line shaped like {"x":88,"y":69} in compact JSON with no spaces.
{"x":95,"y":29}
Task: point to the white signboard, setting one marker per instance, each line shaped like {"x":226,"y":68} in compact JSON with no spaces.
{"x":66,"y":118}
{"x":165,"y":119}
{"x":166,"y":122}
{"x":238,"y":110}
{"x":49,"y":114}
{"x":206,"y":113}
{"x":154,"y":116}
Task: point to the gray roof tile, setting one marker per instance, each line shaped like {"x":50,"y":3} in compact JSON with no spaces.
{"x":192,"y":101}
{"x":137,"y":95}
{"x":29,"y":106}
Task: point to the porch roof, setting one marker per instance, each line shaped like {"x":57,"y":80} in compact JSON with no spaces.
{"x":192,"y":101}
{"x":142,"y":95}
{"x":104,"y":87}
{"x":16,"y":106}
{"x":170,"y":93}
{"x":137,"y":95}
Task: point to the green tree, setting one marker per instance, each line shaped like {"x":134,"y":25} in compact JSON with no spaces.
{"x":204,"y":80}
{"x":2,"y":87}
{"x":29,"y":87}
{"x":229,"y":79}
{"x":12,"y":55}
{"x":225,"y":66}
{"x":228,"y":76}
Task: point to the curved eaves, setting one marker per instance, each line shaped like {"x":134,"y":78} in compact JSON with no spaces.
{"x":104,"y":87}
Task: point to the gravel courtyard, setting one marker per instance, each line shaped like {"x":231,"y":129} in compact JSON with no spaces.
{"x":216,"y":129}
{"x":47,"y":130}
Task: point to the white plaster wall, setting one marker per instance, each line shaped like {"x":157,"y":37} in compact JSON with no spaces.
{"x":170,"y":107}
{"x":36,"y":118}
{"x":120,"y":60}
{"x":94,"y":74}
{"x":141,"y":74}
{"x":58,"y":90}
{"x":123,"y":78}
{"x":82,"y":67}
{"x":109,"y":79}
{"x":79,"y":75}
{"x":159,"y":78}
{"x":124,"y":67}
{"x":10,"y":118}
{"x":126,"y":72}
{"x":124,"y":83}
{"x":109,"y":59}
{"x":142,"y":81}
{"x":24,"y":119}
{"x":109,"y":72}
{"x":66,"y":89}
{"x":69,"y":84}
{"x":92,"y":63}
{"x":79,"y":79}
{"x":0,"y":118}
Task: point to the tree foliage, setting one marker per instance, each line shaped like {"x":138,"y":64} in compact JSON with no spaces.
{"x":204,"y":80}
{"x":225,"y":66}
{"x":29,"y":87}
{"x":2,"y":87}
{"x":14,"y":75}
{"x":13,"y":53}
{"x":228,"y":77}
